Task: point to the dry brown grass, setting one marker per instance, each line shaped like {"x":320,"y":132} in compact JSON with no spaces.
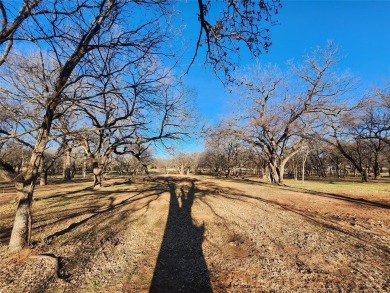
{"x":175,"y":234}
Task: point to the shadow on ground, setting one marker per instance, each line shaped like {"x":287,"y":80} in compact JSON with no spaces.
{"x":360,"y":201}
{"x":88,"y":203}
{"x":181,"y":266}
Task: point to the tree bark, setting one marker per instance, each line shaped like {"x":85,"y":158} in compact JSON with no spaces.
{"x":73,"y":170}
{"x":364,"y":175}
{"x":42,"y":173}
{"x":377,"y":172}
{"x":84,"y":166}
{"x":304,"y":158}
{"x":281,"y":172}
{"x":97,"y":176}
{"x":21,"y":231}
{"x":67,"y":174}
{"x":274,"y":174}
{"x":295,"y":170}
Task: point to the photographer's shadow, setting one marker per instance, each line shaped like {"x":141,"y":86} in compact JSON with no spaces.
{"x":181,"y":266}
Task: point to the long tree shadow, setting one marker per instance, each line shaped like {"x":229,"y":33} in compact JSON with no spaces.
{"x":351,"y":199}
{"x":97,"y":211}
{"x":92,"y":211}
{"x":313,"y":217}
{"x":360,"y":201}
{"x":181,"y":266}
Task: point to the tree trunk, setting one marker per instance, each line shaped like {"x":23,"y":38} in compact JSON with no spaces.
{"x":267,"y":174}
{"x":295,"y":171}
{"x":43,"y":180}
{"x":21,"y":164}
{"x":281,"y":172}
{"x":67,"y":174}
{"x":364,"y":175}
{"x":84,"y":166}
{"x":304,"y":158}
{"x":264,"y":174}
{"x":97,"y":176}
{"x":43,"y":177}
{"x":227,"y":173}
{"x":42,"y":173}
{"x":21,"y":231}
{"x":282,"y":165}
{"x":274,"y":173}
{"x":358,"y":166}
{"x":377,"y":173}
{"x":73,"y":170}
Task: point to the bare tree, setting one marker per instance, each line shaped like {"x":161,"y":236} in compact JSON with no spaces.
{"x":182,"y":163}
{"x":280,"y":109}
{"x":237,"y":24}
{"x":70,"y":53}
{"x":352,"y":147}
{"x":223,"y":150}
{"x":15,"y":154}
{"x":139,"y":105}
{"x":49,"y":159}
{"x":11,"y":23}
{"x":127,"y":164}
{"x":375,"y":125}
{"x":360,"y":133}
{"x":72,"y":33}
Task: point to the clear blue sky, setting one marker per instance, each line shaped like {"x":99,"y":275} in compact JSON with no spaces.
{"x":361,"y":29}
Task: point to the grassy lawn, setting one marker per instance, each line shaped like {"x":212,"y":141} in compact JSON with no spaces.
{"x":201,"y":233}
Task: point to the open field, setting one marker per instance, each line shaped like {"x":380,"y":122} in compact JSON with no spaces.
{"x":201,"y":234}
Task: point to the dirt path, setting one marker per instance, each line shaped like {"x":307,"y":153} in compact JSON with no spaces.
{"x":176,"y":234}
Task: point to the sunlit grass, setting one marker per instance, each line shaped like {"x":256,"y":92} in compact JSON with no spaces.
{"x":61,"y":203}
{"x":379,"y":188}
{"x":117,"y":231}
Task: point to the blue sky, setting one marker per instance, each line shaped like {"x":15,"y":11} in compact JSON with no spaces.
{"x":361,"y":29}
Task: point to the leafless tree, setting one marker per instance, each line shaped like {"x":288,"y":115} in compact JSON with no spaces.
{"x":15,"y":154}
{"x":360,"y":133}
{"x":374,"y":127}
{"x":71,"y":34}
{"x":76,"y":32}
{"x":233,"y":26}
{"x":11,"y":22}
{"x":127,"y":112}
{"x":280,"y":109}
{"x":129,"y":165}
{"x":223,"y":151}
{"x":182,"y":163}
